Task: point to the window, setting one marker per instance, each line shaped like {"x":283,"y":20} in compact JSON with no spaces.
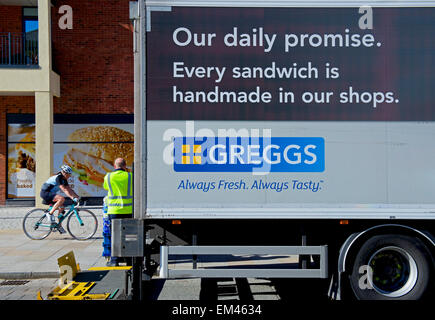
{"x":30,"y":36}
{"x":88,"y":143}
{"x":30,"y":23}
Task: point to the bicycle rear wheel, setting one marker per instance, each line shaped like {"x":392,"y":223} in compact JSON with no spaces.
{"x":82,"y":225}
{"x":36,"y":225}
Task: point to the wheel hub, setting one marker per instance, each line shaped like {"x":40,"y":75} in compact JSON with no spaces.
{"x":394,"y":272}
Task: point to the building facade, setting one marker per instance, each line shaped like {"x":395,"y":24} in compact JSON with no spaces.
{"x":66,"y":93}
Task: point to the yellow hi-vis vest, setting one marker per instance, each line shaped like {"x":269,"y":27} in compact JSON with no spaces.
{"x":120,"y":196}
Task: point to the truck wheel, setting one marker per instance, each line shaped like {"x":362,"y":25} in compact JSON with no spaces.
{"x":391,"y":267}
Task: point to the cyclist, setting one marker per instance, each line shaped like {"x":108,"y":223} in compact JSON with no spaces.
{"x":50,"y":189}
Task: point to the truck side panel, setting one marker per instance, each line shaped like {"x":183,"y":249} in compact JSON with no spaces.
{"x":290,"y":113}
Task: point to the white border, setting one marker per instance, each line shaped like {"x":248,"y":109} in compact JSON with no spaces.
{"x":337,"y":212}
{"x":289,"y":3}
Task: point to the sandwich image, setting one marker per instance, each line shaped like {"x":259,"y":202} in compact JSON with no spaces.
{"x":93,"y":150}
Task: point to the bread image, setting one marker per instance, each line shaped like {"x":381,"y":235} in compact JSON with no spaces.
{"x":91,"y":161}
{"x":25,"y":152}
{"x":105,"y":151}
{"x":14,"y":129}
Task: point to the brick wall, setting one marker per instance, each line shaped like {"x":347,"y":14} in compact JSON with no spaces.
{"x":94,"y":61}
{"x":11,"y":19}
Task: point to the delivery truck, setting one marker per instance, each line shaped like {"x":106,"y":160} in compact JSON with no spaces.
{"x":286,"y":128}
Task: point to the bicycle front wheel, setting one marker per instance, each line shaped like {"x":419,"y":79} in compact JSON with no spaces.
{"x":82,"y":224}
{"x":36,"y":225}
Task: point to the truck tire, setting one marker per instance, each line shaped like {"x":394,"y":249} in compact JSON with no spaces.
{"x":391,"y":267}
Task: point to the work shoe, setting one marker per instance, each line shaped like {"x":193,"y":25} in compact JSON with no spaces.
{"x":61,"y":230}
{"x":112,"y":264}
{"x":51,"y":219}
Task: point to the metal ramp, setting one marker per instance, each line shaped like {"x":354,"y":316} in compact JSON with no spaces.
{"x":98,"y":283}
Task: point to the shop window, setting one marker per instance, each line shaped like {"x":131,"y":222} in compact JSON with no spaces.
{"x":88,"y":147}
{"x":21,"y":160}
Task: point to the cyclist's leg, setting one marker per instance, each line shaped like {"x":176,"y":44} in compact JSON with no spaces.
{"x":47,"y":198}
{"x":61,"y":210}
{"x":58,"y":203}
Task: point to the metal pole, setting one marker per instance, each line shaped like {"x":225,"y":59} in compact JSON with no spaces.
{"x":195,"y":257}
{"x":144,"y":150}
{"x":304,"y":259}
{"x":140,"y":125}
{"x":9,"y":47}
{"x":140,"y":115}
{"x":164,"y":262}
{"x":139,"y":200}
{"x":135,"y":17}
{"x":136,"y":288}
{"x":324,"y":262}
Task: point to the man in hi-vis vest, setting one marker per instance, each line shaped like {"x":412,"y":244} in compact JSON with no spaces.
{"x":119,"y":185}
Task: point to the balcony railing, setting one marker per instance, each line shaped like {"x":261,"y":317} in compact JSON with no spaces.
{"x":18,"y":50}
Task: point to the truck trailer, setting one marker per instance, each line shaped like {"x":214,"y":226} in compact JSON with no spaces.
{"x":286,"y":128}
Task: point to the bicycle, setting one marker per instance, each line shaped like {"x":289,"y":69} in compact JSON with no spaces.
{"x":81,"y":224}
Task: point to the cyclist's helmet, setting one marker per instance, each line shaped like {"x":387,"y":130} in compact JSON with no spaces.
{"x":66,"y":169}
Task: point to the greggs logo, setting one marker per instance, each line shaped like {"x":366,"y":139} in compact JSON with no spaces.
{"x":249,"y":154}
{"x":192,"y":154}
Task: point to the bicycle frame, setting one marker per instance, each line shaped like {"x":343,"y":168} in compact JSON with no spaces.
{"x":72,"y":209}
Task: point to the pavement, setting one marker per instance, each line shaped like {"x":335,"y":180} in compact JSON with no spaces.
{"x":28,"y":266}
{"x":23,"y":258}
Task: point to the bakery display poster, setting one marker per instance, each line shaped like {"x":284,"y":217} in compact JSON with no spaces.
{"x":88,"y":149}
{"x":21,"y":163}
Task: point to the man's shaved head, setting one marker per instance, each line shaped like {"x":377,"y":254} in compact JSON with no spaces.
{"x":119,"y":163}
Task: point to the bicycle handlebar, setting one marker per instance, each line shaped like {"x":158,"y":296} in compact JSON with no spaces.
{"x":79,"y":204}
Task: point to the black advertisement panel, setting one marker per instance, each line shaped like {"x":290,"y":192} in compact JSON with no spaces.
{"x":291,"y":64}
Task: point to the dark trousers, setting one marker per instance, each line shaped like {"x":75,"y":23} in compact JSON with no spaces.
{"x":119,"y":216}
